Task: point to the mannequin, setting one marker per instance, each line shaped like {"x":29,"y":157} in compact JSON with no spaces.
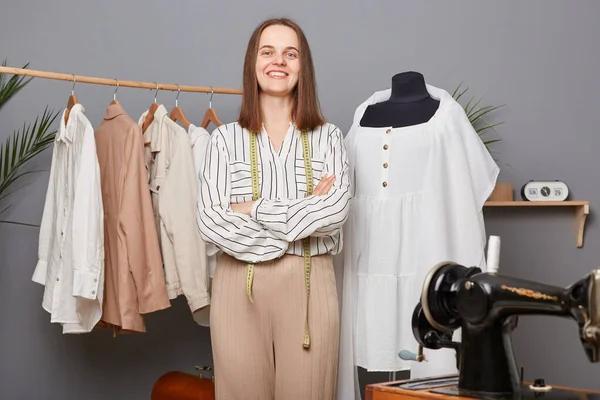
{"x":410,"y":104}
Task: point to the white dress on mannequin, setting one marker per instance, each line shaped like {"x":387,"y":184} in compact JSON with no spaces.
{"x":419,"y":194}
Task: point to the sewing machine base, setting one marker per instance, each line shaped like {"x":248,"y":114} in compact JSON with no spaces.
{"x":527,"y":394}
{"x":446,"y":387}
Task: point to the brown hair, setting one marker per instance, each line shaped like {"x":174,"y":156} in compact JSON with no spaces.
{"x":306,"y":112}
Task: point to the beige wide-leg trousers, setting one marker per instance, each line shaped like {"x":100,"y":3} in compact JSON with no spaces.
{"x":257,"y":348}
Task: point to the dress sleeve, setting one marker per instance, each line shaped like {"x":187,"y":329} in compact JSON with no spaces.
{"x":294,"y":219}
{"x":47,"y":225}
{"x":483,"y":170}
{"x":234,"y":233}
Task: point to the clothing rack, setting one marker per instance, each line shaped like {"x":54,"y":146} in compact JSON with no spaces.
{"x":117,"y":82}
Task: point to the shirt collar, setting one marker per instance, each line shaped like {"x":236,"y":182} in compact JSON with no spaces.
{"x":67,"y":131}
{"x":113,"y":111}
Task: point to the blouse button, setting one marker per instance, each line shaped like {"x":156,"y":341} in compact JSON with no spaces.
{"x":388,"y":131}
{"x":385,"y":165}
{"x":385,"y":146}
{"x":384,"y":184}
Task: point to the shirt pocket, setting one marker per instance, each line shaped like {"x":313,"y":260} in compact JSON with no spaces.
{"x":241,"y":182}
{"x":300,"y":173}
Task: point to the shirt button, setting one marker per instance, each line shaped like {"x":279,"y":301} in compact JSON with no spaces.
{"x":385,"y":146}
{"x":385,"y":165}
{"x":388,"y":131}
{"x":95,"y":280}
{"x":93,"y":292}
{"x":57,"y":279}
{"x":384,"y":184}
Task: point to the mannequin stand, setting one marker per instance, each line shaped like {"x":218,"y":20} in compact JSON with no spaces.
{"x":444,"y":387}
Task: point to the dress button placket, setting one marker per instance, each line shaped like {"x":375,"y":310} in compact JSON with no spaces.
{"x":385,"y":159}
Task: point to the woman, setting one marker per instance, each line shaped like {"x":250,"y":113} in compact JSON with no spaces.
{"x":274,"y":333}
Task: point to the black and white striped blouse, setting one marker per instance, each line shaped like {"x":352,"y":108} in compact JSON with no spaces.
{"x":283,"y":215}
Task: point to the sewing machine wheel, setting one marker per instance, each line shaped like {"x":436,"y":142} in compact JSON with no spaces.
{"x":426,"y":335}
{"x":438,"y":297}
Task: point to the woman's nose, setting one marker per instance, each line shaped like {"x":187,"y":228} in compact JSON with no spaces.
{"x":279,"y":60}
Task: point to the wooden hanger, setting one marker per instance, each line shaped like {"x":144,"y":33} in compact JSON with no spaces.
{"x":71,"y":102}
{"x":210,"y":115}
{"x":114,"y":100}
{"x":150,"y":115}
{"x":177,"y":113}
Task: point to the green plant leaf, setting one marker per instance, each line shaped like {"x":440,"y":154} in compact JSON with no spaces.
{"x":479,"y":114}
{"x":476,"y":112}
{"x":10,"y":87}
{"x":18,"y":223}
{"x":457,"y":95}
{"x":491,"y":141}
{"x":486,"y":127}
{"x":24,"y":144}
{"x":9,"y":192}
{"x":471,"y":112}
{"x":22,"y":147}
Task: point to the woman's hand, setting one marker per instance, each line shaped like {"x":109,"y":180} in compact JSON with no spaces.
{"x":242,"y":208}
{"x":324,"y":185}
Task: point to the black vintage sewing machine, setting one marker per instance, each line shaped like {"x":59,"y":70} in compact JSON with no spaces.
{"x":485,"y":306}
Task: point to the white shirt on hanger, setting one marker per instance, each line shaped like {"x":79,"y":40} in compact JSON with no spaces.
{"x":284,"y":214}
{"x":71,"y":239}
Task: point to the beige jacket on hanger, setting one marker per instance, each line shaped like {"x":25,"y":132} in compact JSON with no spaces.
{"x":173,"y":186}
{"x":135,"y":281}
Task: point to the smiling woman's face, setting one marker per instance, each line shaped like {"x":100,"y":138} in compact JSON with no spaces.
{"x":278,"y":60}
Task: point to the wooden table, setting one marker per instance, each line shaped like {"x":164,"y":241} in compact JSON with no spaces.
{"x":390,"y":391}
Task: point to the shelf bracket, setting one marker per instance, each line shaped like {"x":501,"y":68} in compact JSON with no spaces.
{"x":581,"y":213}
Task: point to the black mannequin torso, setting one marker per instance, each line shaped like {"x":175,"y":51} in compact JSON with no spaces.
{"x":409,"y":104}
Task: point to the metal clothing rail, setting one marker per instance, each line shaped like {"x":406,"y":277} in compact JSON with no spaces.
{"x":114,"y":82}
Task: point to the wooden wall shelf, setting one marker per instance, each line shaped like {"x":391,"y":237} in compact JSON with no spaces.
{"x":582,"y":210}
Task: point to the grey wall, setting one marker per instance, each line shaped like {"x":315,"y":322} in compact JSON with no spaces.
{"x":538,"y":57}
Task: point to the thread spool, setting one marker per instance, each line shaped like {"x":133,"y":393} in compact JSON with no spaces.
{"x":493,"y":255}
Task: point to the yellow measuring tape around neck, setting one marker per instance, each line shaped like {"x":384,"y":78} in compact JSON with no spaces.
{"x":306,"y":241}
